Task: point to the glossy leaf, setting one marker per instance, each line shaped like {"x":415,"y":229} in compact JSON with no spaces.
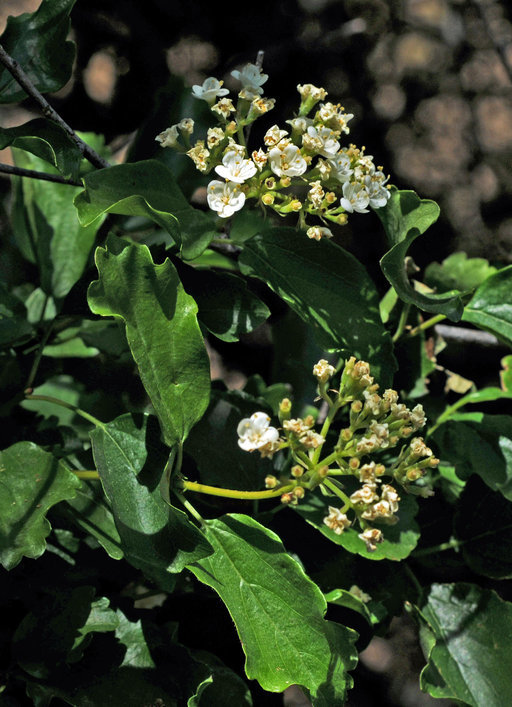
{"x":31,"y":482}
{"x":405,"y":217}
{"x":371,"y":611}
{"x":227,"y":307}
{"x":457,"y":271}
{"x":485,"y":395}
{"x":155,"y":537}
{"x":90,"y":512}
{"x":471,"y":628}
{"x":328,"y":288}
{"x":479,"y":444}
{"x":45,"y":140}
{"x":147,"y":189}
{"x":482,"y":523}
{"x":37,"y":41}
{"x":278,"y":612}
{"x":400,"y":539}
{"x":47,"y":229}
{"x":162,"y":332}
{"x":490,"y":307}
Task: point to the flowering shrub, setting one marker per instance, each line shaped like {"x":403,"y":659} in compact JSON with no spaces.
{"x":153,"y":498}
{"x":303,"y":170}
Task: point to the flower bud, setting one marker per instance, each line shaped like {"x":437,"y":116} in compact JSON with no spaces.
{"x":297,"y":471}
{"x":346,"y":434}
{"x":268,"y":199}
{"x":354,"y":463}
{"x":270,"y":482}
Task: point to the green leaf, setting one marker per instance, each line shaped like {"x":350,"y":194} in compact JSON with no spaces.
{"x":14,"y":327}
{"x":506,"y":373}
{"x":490,"y":307}
{"x":278,"y":612}
{"x":227,"y":307}
{"x":37,"y":41}
{"x":471,"y":655}
{"x":458,"y":272}
{"x":47,"y":229}
{"x":31,"y":482}
{"x":162,"y":332}
{"x":147,"y":189}
{"x":222,"y":687}
{"x":485,"y":395}
{"x":328,"y":288}
{"x":213,"y":443}
{"x":405,"y":217}
{"x":373,"y":612}
{"x":90,"y":512}
{"x":399,"y":540}
{"x":155,"y":537}
{"x":46,"y":140}
{"x":482,"y":523}
{"x":479,"y":444}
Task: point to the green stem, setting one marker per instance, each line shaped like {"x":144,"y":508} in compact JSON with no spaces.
{"x":68,"y":406}
{"x":401,"y":323}
{"x":233,"y":493}
{"x":87,"y":474}
{"x":190,"y":508}
{"x":334,"y":488}
{"x":427,"y":324}
{"x":413,"y":579}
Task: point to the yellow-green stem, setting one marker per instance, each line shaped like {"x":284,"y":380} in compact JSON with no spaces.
{"x":68,"y":406}
{"x":427,"y":324}
{"x":332,"y":487}
{"x":233,"y":493}
{"x":87,"y":474}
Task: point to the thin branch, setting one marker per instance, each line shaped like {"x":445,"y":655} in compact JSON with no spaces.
{"x":467,"y":336}
{"x":33,"y":174}
{"x":21,"y":77}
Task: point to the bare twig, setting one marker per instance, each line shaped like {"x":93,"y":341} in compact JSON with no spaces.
{"x":33,"y":174}
{"x":21,"y":77}
{"x":467,"y":336}
{"x":500,"y":45}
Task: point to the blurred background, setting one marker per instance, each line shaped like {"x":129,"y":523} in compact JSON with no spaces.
{"x":429,"y":83}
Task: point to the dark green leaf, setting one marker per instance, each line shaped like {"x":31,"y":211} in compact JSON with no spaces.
{"x":328,"y":288}
{"x":63,"y":388}
{"x":146,"y":189}
{"x":371,"y":611}
{"x":470,"y":658}
{"x":37,"y":41}
{"x":227,"y":307}
{"x":31,"y":482}
{"x":14,"y":327}
{"x":405,"y":217}
{"x":45,"y":140}
{"x":485,"y":395}
{"x":47,"y":228}
{"x":155,"y":537}
{"x":458,"y":272}
{"x":278,"y":612}
{"x":222,"y":686}
{"x":162,"y":332}
{"x":400,"y":539}
{"x":490,"y":307}
{"x":482,"y":523}
{"x":479,"y":444}
{"x":90,"y":512}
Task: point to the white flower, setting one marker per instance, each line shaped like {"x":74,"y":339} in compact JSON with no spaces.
{"x":209,"y":90}
{"x":355,"y":198}
{"x":316,"y":194}
{"x":301,"y":124}
{"x":323,"y":371}
{"x":274,"y":135}
{"x":340,"y":166}
{"x":214,"y":136}
{"x":336,"y":520}
{"x":255,"y":432}
{"x":169,"y":137}
{"x":371,"y":537}
{"x":324,"y":139}
{"x":287,"y":162}
{"x":224,"y":107}
{"x":318,"y":232}
{"x":235,"y":168}
{"x":307,"y":90}
{"x":259,"y":158}
{"x":225,"y":198}
{"x":251,"y":77}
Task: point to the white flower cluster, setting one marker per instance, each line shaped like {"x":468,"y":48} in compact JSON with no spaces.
{"x":303,"y":170}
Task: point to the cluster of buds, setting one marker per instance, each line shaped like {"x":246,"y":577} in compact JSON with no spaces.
{"x":302,"y":170}
{"x":375,"y":423}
